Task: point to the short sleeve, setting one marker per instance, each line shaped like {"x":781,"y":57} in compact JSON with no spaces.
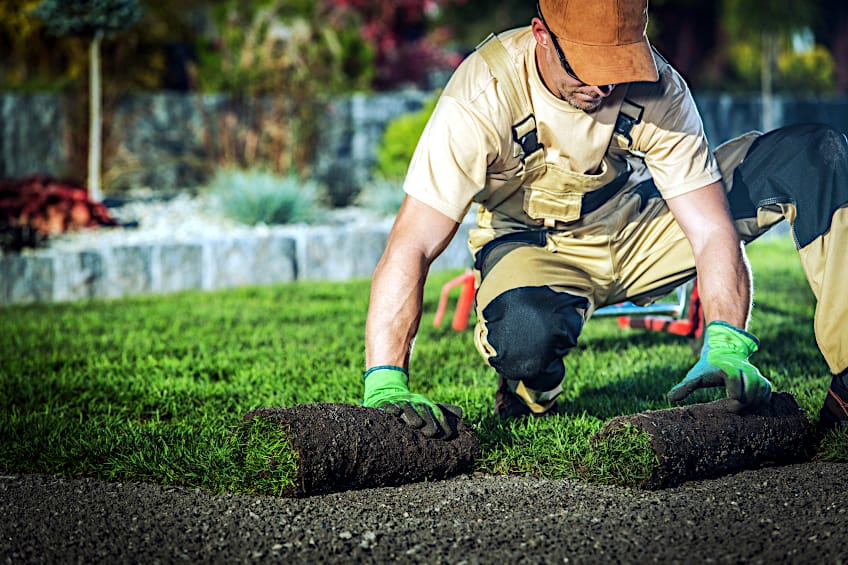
{"x":450,"y":161}
{"x":672,"y":137}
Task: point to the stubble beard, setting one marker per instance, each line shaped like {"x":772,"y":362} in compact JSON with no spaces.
{"x":582,"y":104}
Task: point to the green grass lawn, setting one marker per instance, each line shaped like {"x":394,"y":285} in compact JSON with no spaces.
{"x":152,"y":388}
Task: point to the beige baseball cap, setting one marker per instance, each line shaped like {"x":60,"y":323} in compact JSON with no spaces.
{"x":604,"y":41}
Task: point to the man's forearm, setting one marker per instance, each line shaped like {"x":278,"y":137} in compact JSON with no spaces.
{"x":724,"y":277}
{"x":724,"y":280}
{"x":419,"y":235}
{"x":394,"y":311}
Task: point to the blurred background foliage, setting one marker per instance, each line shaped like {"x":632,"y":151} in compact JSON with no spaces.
{"x":399,"y":140}
{"x":293,"y":56}
{"x":323,"y":47}
{"x":270,"y":46}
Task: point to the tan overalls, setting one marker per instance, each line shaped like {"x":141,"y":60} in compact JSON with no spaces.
{"x":556,"y":245}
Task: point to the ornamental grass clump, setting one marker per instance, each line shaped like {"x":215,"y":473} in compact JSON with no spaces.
{"x":383,"y":196}
{"x":258,"y":197}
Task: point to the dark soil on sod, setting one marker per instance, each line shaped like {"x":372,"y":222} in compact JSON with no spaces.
{"x":791,"y":514}
{"x":342,"y":446}
{"x":705,"y":441}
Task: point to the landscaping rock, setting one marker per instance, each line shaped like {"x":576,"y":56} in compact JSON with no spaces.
{"x":341,"y":253}
{"x":185,"y":243}
{"x":180,"y":267}
{"x":78,"y":274}
{"x":25,"y":279}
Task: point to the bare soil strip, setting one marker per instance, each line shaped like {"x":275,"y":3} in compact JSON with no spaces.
{"x":791,"y":514}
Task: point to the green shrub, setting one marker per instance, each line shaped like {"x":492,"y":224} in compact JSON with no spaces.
{"x":259,"y":197}
{"x":812,"y":70}
{"x":383,"y":196}
{"x":399,"y":141}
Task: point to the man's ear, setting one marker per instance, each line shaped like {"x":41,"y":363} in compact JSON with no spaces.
{"x":540,"y":32}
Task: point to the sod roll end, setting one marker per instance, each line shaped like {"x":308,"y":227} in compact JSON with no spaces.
{"x":336,"y":447}
{"x":703,"y":441}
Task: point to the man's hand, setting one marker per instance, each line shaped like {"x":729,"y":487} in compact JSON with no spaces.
{"x":386,"y":388}
{"x":724,"y":362}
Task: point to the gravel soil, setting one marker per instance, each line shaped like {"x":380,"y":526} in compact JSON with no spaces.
{"x":790,"y":514}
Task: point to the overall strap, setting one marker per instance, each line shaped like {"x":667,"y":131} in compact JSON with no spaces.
{"x":630,"y":113}
{"x":501,"y":66}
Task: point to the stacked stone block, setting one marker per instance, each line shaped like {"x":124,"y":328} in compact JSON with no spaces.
{"x":272,"y":256}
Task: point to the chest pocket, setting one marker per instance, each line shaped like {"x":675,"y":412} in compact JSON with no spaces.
{"x":561,"y":195}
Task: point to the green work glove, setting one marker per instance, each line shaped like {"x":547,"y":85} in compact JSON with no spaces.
{"x":386,"y":388}
{"x":724,"y":362}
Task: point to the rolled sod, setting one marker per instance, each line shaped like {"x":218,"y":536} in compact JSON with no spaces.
{"x":704,"y":441}
{"x":341,"y":447}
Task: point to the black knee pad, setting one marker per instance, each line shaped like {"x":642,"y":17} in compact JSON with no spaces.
{"x":531,"y":329}
{"x":805,"y":165}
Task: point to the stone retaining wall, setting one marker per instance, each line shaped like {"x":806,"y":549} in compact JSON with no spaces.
{"x":33,"y":134}
{"x":166,"y":140}
{"x":275,"y":255}
{"x":169,"y":141}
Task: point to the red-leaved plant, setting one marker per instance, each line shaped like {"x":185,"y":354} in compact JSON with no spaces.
{"x":33,"y":208}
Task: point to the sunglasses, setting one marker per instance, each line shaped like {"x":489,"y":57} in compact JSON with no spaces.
{"x":562,"y":60}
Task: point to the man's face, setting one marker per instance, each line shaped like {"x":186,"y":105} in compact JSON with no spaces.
{"x":562,"y":84}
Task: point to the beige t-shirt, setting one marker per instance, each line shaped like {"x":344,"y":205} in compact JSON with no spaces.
{"x":467,"y":148}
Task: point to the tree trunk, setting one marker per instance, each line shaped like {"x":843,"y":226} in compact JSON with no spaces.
{"x":94,"y":140}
